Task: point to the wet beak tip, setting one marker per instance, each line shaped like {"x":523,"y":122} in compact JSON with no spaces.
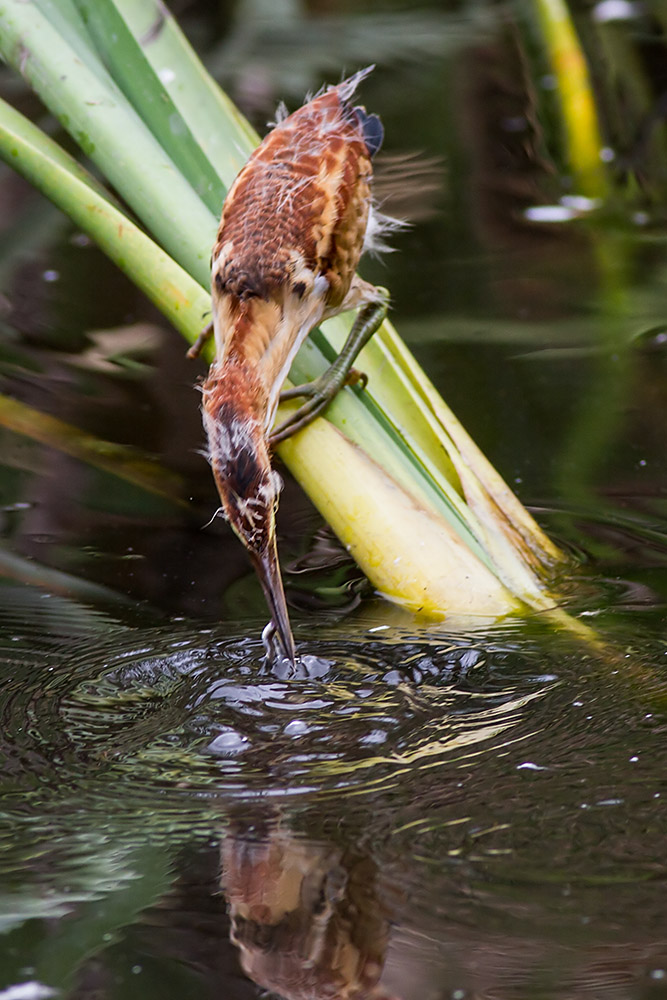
{"x":268,"y":570}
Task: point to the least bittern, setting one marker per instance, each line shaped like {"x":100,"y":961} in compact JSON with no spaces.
{"x":293,"y":227}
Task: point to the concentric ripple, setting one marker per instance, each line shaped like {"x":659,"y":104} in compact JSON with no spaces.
{"x":213,"y":717}
{"x":472,"y":746}
{"x":179,"y":708}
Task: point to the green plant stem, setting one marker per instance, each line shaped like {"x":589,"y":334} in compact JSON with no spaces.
{"x":142,"y":87}
{"x":223,"y":133}
{"x":185,"y":303}
{"x":138,"y":167}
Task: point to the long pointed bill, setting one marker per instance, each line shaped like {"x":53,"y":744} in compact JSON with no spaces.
{"x":267,"y":568}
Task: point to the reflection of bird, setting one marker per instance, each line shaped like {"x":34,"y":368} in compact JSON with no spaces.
{"x":307,"y":918}
{"x":293,"y":227}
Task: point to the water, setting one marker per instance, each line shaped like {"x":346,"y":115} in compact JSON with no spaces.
{"x":474,"y":812}
{"x":423,"y":811}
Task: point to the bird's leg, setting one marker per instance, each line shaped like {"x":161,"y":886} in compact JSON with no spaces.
{"x":201,"y":341}
{"x":322,"y":390}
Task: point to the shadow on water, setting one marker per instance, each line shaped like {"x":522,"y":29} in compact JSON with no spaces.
{"x":422,"y":812}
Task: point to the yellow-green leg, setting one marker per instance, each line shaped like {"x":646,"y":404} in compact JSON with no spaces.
{"x":322,"y":390}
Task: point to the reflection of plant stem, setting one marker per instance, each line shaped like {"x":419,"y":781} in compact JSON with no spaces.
{"x":579,"y":117}
{"x":595,"y":425}
{"x":119,"y":460}
{"x":34,"y":574}
{"x":98,"y":923}
{"x":598,"y":418}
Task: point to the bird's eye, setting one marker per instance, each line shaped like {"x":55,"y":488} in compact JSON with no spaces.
{"x":372,"y":128}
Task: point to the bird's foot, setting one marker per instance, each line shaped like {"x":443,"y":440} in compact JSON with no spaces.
{"x":322,"y":390}
{"x":318,"y":394}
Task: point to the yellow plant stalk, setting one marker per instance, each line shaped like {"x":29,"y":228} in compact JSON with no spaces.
{"x":412,"y":556}
{"x":521,"y":554}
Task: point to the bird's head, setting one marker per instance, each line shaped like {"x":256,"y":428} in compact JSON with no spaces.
{"x":234,"y":408}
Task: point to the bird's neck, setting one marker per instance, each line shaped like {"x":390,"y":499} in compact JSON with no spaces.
{"x":234,"y":393}
{"x":256,"y":343}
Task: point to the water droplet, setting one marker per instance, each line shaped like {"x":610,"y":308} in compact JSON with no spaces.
{"x":177,"y":126}
{"x":81,"y":240}
{"x":392,"y":677}
{"x":579,"y":202}
{"x":515,"y":123}
{"x":228,"y":742}
{"x":27,"y":991}
{"x":375,"y":736}
{"x":297,"y":727}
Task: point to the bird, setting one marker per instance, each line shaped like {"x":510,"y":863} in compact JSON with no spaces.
{"x":293,"y":227}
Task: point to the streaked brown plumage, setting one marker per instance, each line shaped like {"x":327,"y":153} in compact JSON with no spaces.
{"x":292,"y":231}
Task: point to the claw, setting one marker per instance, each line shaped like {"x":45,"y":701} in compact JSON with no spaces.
{"x":355,"y":377}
